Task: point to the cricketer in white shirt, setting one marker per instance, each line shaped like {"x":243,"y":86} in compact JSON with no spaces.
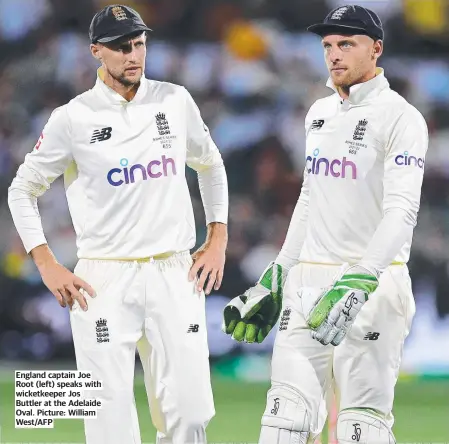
{"x":124,"y":171}
{"x":358,"y":205}
{"x":341,"y":275}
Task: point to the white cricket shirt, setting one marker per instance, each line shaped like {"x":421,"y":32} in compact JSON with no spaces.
{"x":364,"y":165}
{"x":124,"y":172}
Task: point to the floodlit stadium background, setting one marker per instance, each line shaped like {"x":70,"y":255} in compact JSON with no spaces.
{"x":254,"y":73}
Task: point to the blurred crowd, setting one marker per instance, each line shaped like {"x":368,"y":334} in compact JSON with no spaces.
{"x":254,"y":73}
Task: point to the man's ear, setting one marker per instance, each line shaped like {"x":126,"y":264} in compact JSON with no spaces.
{"x":95,"y":50}
{"x":378,"y":49}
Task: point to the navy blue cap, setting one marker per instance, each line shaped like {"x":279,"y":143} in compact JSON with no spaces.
{"x":115,"y":21}
{"x":352,"y":19}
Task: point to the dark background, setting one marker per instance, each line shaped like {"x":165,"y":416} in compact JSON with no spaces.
{"x":254,"y":72}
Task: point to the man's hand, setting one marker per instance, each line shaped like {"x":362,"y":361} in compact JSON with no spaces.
{"x":251,"y":316}
{"x":61,"y":282}
{"x":210,"y":258}
{"x":334,"y":311}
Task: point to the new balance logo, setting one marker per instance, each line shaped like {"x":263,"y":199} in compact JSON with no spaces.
{"x":317,"y":124}
{"x":193,"y":328}
{"x":371,"y":336}
{"x":101,"y":135}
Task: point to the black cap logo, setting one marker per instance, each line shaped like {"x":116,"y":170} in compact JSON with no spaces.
{"x":119,"y":13}
{"x":339,"y":13}
{"x":114,"y":22}
{"x":350,"y":19}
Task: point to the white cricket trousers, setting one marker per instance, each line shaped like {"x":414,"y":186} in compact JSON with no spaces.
{"x":150,"y":305}
{"x":364,"y":367}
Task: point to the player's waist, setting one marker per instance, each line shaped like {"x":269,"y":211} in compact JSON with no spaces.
{"x":156,"y":257}
{"x":339,"y":264}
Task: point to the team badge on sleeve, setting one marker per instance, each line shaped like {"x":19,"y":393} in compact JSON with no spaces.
{"x":39,"y":141}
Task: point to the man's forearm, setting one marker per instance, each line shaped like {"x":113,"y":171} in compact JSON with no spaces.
{"x":391,"y":234}
{"x":26,"y":187}
{"x":291,"y":250}
{"x":214,"y":193}
{"x":42,"y":256}
{"x":217,"y":233}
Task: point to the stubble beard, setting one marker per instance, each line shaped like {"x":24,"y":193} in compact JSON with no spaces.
{"x":124,"y":81}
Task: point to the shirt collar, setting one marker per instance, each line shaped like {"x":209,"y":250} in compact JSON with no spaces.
{"x":358,"y":93}
{"x":114,"y":97}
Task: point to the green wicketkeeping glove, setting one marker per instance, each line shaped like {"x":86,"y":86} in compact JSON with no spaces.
{"x":334,"y":310}
{"x":251,"y":316}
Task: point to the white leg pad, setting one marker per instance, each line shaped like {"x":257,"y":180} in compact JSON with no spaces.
{"x":364,"y":427}
{"x":285,"y":420}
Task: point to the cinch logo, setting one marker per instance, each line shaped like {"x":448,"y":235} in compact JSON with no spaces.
{"x":155,"y":169}
{"x":409,"y":160}
{"x":336,"y":167}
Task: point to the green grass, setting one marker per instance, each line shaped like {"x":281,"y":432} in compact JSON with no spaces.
{"x":421,"y":411}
